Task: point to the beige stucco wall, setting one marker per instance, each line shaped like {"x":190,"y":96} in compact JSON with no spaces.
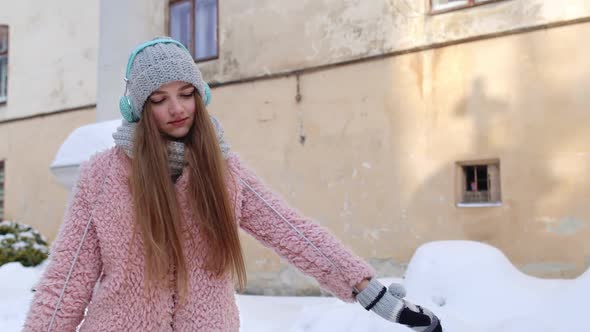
{"x":52,"y":55}
{"x":382,"y":138}
{"x":32,"y":194}
{"x":265,"y":37}
{"x":52,"y":65}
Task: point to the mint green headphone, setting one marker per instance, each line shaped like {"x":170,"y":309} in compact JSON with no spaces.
{"x":125,"y":104}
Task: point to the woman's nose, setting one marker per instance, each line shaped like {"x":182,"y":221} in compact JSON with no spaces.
{"x":175,"y":106}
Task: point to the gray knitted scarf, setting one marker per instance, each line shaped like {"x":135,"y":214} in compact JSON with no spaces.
{"x":176,"y":160}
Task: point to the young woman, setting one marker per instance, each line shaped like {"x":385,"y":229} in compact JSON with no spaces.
{"x":150,"y":239}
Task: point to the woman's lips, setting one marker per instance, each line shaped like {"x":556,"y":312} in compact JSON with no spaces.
{"x":178,"y":123}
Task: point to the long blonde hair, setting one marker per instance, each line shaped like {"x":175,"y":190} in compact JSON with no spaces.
{"x":156,"y":209}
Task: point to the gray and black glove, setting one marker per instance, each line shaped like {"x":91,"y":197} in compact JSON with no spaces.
{"x":390,"y":305}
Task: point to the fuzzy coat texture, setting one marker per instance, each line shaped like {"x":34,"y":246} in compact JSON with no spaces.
{"x":108,"y":277}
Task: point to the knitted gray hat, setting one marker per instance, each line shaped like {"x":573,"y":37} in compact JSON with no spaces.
{"x":159,"y":64}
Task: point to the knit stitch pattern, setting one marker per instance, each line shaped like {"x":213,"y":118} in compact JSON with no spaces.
{"x":157,"y":65}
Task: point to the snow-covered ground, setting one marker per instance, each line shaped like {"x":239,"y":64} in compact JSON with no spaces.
{"x":471,"y":286}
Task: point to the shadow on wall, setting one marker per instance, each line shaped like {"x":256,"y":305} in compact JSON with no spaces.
{"x":538,"y":131}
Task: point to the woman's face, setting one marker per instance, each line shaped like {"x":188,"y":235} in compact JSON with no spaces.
{"x":173,"y":107}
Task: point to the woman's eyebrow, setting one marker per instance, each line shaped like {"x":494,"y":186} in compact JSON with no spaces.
{"x":188,"y":85}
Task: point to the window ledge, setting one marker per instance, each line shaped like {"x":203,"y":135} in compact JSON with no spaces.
{"x":476,"y":205}
{"x":450,"y":7}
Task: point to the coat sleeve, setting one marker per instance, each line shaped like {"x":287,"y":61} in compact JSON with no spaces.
{"x":86,"y":271}
{"x":335,"y":268}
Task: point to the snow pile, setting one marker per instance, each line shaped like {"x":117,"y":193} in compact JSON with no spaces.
{"x":16,"y":282}
{"x":474,"y":285}
{"x":330,"y":314}
{"x":471,"y":286}
{"x":80,"y":145}
{"x":85,"y":141}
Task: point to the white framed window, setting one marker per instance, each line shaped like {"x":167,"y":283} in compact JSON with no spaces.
{"x":195,"y":24}
{"x":478,"y":183}
{"x":442,"y":6}
{"x":3,"y":63}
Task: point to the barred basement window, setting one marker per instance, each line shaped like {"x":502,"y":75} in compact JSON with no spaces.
{"x":1,"y":190}
{"x":443,"y":6}
{"x":479,"y":183}
{"x":195,"y":24}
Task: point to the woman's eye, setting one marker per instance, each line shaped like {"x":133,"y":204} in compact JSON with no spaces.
{"x":188,"y":93}
{"x":156,"y":101}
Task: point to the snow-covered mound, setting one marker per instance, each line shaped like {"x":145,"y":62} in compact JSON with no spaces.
{"x":85,"y":141}
{"x":16,"y":282}
{"x":476,"y":284}
{"x":471,"y":286}
{"x":80,"y":145}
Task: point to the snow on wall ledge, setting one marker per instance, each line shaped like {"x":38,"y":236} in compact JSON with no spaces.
{"x":80,"y":145}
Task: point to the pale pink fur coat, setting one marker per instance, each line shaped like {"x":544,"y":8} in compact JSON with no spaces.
{"x":109,"y":282}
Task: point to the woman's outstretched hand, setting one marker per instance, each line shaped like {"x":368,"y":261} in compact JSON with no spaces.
{"x":389,"y":304}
